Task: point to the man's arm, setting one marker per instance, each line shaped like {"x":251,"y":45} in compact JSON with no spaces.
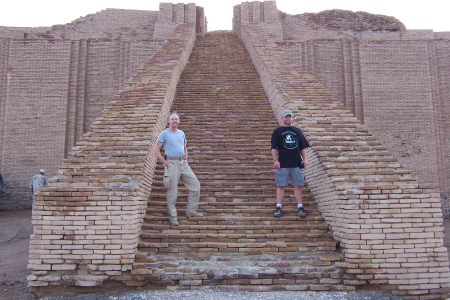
{"x":157,"y":151}
{"x":185,"y":151}
{"x":304,"y":158}
{"x":276,"y":162}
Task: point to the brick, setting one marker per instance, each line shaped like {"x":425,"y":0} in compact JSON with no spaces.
{"x":348,"y":163}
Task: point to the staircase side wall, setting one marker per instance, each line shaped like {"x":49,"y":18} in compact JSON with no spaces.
{"x":389,"y":226}
{"x":86,"y":224}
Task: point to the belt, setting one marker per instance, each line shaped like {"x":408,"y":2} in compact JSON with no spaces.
{"x":174,"y":158}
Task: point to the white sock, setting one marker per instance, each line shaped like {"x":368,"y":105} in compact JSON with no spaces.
{"x":300,"y":205}
{"x":278,"y":205}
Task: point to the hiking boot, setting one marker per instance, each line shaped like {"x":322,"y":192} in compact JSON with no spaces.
{"x":278,"y":212}
{"x":301,"y":212}
{"x":194,"y":214}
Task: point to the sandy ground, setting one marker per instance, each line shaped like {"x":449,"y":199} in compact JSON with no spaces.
{"x":15,"y":231}
{"x":14,"y":242}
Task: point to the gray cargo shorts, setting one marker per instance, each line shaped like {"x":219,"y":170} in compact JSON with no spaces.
{"x":295,"y":174}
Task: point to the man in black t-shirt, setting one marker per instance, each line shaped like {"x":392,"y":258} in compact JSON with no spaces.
{"x":289,"y":157}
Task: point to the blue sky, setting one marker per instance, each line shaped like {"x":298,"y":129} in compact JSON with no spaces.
{"x":430,"y":14}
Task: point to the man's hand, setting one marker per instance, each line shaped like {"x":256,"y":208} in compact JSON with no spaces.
{"x":276,"y":164}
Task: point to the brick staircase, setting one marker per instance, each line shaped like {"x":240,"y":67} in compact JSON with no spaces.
{"x":237,"y":244}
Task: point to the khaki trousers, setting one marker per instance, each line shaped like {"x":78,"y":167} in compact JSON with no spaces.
{"x":180,"y":171}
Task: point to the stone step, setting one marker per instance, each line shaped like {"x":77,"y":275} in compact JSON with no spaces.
{"x":250,"y":247}
{"x":222,"y":223}
{"x":272,"y":270}
{"x":228,"y":200}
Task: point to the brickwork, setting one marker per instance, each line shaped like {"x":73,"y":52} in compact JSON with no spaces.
{"x":395,"y":82}
{"x":110,"y":23}
{"x":397,"y":91}
{"x":389,"y":226}
{"x":264,"y":13}
{"x":33,"y":141}
{"x":90,"y":59}
{"x":81,"y":77}
{"x":87,"y":222}
{"x":237,"y":226}
{"x":390,"y":95}
{"x":170,"y":15}
{"x":441,"y":100}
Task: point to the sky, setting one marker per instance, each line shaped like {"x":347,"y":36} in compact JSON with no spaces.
{"x":430,"y":14}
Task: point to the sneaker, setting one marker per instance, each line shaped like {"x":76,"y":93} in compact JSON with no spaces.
{"x":174,"y":222}
{"x":278,"y":212}
{"x":194,"y":214}
{"x":301,"y":212}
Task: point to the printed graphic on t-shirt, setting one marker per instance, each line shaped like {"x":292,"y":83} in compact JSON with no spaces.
{"x":290,"y":140}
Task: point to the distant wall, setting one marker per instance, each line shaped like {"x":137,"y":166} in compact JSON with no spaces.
{"x":110,"y":23}
{"x":75,"y":80}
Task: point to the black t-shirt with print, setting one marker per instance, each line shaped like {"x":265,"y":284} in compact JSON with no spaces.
{"x":289,"y":141}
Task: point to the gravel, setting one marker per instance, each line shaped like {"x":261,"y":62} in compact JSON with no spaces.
{"x":235,"y":295}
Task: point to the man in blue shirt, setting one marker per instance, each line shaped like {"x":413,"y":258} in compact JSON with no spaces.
{"x":289,"y":157}
{"x":176,"y":169}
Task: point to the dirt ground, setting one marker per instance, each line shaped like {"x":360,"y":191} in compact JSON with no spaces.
{"x":15,"y":231}
{"x":14,"y":242}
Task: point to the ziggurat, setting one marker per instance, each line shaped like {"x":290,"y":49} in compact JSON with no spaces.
{"x":86,"y":101}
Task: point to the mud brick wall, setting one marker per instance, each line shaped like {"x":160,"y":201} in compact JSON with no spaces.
{"x":90,"y":59}
{"x":388,"y":78}
{"x":335,"y":63}
{"x":76,"y":80}
{"x":94,"y":56}
{"x":389,"y":226}
{"x":87,"y":222}
{"x":441,"y":96}
{"x":170,"y":15}
{"x":109,"y":64}
{"x":397,"y":88}
{"x":30,"y":140}
{"x":398,"y":102}
{"x":264,"y":13}
{"x":110,"y":23}
{"x":304,"y":28}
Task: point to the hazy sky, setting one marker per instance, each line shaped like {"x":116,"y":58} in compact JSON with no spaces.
{"x":430,"y":14}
